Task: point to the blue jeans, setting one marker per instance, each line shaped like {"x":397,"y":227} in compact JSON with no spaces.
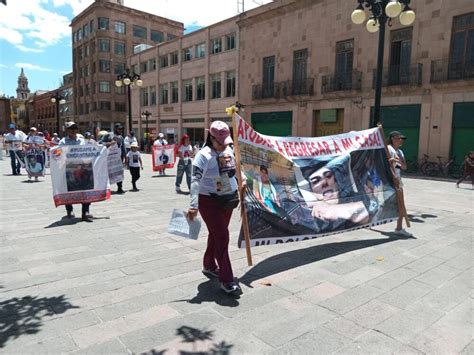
{"x":183,"y":168}
{"x":15,"y":163}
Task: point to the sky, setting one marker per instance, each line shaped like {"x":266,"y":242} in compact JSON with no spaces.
{"x":35,"y":34}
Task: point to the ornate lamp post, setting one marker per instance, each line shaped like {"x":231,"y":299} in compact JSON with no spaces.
{"x":57,"y":99}
{"x":382,"y":13}
{"x":129,"y":78}
{"x":145,"y":115}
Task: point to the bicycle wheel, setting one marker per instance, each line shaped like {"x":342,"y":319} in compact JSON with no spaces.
{"x":455,"y":170}
{"x":423,"y":167}
{"x":431,"y":169}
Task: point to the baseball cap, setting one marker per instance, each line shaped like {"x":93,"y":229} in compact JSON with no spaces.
{"x":33,"y":129}
{"x":220,"y":131}
{"x":118,"y":125}
{"x":161,"y":135}
{"x":87,"y":134}
{"x":71,"y":124}
{"x":11,"y":125}
{"x":397,"y":134}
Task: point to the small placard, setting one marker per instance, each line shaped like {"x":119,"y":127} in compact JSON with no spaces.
{"x":180,"y":225}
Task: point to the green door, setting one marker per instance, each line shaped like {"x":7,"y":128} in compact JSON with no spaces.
{"x":463,"y":130}
{"x":406,"y":119}
{"x":273,"y":123}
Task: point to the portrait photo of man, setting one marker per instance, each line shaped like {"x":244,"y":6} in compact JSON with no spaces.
{"x":79,"y":176}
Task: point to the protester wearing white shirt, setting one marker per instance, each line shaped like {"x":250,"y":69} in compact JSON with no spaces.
{"x":13,"y":141}
{"x":159,"y":142}
{"x":185,"y":153}
{"x":129,"y":140}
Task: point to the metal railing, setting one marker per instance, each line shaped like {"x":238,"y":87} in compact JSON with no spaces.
{"x":283,"y":89}
{"x":351,"y":80}
{"x":446,"y":70}
{"x":410,"y":75}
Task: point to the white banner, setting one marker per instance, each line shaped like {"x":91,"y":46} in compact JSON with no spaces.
{"x":163,"y":156}
{"x":114,"y":164}
{"x":79,"y":174}
{"x":35,"y":162}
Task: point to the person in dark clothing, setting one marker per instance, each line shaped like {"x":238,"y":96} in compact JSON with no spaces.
{"x":468,"y":169}
{"x":116,"y":138}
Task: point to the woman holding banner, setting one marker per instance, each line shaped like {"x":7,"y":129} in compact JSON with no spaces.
{"x":214,"y":194}
{"x":185,"y":153}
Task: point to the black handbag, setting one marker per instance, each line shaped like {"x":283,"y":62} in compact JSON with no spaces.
{"x":228,"y":201}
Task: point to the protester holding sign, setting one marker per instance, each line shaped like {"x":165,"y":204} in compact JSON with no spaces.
{"x":214,"y":195}
{"x":80,"y":173}
{"x":134,"y":163}
{"x":161,"y":141}
{"x":13,"y":141}
{"x":116,"y":138}
{"x":397,"y":158}
{"x":34,"y":154}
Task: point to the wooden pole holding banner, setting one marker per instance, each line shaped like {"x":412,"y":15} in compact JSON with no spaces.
{"x":243,"y":213}
{"x":398,"y":189}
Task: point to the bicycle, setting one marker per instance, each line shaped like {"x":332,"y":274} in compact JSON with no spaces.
{"x":449,"y":168}
{"x":416,"y":165}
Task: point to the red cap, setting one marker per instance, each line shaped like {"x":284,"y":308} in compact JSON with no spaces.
{"x":220,"y":131}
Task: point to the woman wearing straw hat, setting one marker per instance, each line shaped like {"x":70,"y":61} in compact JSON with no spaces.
{"x":134,"y":163}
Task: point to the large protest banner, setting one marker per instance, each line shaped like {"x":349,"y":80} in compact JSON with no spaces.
{"x":115,"y":164}
{"x":35,"y":161}
{"x":79,"y":174}
{"x":301,"y":188}
{"x":163,"y":156}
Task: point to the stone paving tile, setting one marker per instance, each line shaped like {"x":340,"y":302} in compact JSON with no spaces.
{"x":351,"y":299}
{"x":438,"y":275}
{"x":371,"y":313}
{"x":405,"y":294}
{"x":346,"y":327}
{"x":113,"y":346}
{"x":393,"y":279}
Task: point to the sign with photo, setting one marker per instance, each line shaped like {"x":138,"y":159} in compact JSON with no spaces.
{"x":114,"y":164}
{"x":79,"y":174}
{"x":35,"y":162}
{"x":302,"y":188}
{"x":163,"y":156}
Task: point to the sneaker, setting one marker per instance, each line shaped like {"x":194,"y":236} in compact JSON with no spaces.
{"x":209,"y":272}
{"x":403,"y":233}
{"x":178,"y":189}
{"x":120,"y":192}
{"x":230,"y":287}
{"x":87,"y":217}
{"x":70,"y":215}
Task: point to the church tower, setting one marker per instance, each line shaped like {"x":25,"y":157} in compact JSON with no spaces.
{"x":22,"y":91}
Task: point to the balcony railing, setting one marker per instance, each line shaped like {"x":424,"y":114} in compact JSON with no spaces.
{"x":410,"y":75}
{"x":351,"y":80}
{"x":446,"y":70}
{"x":283,"y":89}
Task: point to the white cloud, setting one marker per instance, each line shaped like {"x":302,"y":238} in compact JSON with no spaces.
{"x":31,"y":66}
{"x":3,"y":65}
{"x":28,"y":49}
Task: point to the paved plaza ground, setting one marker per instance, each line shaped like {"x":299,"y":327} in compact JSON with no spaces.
{"x":122,"y":284}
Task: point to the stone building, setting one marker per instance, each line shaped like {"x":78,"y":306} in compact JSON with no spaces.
{"x":42,"y":112}
{"x":5,"y":113}
{"x":103,"y":35}
{"x":303,"y":68}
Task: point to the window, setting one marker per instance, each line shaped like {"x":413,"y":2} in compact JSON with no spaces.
{"x":94,"y":90}
{"x":139,"y":31}
{"x":143,"y":67}
{"x":174,"y":58}
{"x":93,"y":68}
{"x":174,"y":92}
{"x":104,"y":66}
{"x":135,"y":68}
{"x":152,"y":95}
{"x":230,"y":83}
{"x":461,"y":59}
{"x":79,"y":34}
{"x":230,"y":42}
{"x":200,"y":50}
{"x":152,"y":64}
{"x":92,"y":47}
{"x":216,"y":45}
{"x":86,"y":50}
{"x":85,"y":30}
{"x":120,"y":28}
{"x":104,"y":105}
{"x":104,"y":45}
{"x":86,"y":109}
{"x":268,"y":82}
{"x":200,"y":88}
{"x":86,"y":70}
{"x":170,"y":36}
{"x":187,"y":90}
{"x":79,"y":52}
{"x":164,"y":61}
{"x":103,"y":23}
{"x":400,"y":57}
{"x":91,"y":26}
{"x":157,"y":36}
{"x":300,"y":65}
{"x":81,"y":91}
{"x":119,"y":48}
{"x":163,"y":94}
{"x":120,"y":106}
{"x":119,"y":68}
{"x":187,"y":54}
{"x":144,"y":97}
{"x":86,"y":90}
{"x":120,"y":90}
{"x":216,"y":86}
{"x":104,"y":86}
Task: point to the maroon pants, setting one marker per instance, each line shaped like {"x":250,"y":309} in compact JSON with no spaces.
{"x":217,"y":221}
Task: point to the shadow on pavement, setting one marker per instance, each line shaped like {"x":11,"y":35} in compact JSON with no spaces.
{"x":22,"y":316}
{"x":162,"y":176}
{"x":295,"y":258}
{"x":209,"y":291}
{"x":421,"y":217}
{"x":65,"y":221}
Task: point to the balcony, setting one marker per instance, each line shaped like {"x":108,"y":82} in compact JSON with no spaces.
{"x":351,"y":80}
{"x":282,"y":89}
{"x":445,"y":70}
{"x":409,"y":75}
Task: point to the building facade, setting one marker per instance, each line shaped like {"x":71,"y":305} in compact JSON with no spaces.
{"x":103,"y":36}
{"x":5,"y":113}
{"x":194,"y":79}
{"x":42,"y":112}
{"x":303,"y":68}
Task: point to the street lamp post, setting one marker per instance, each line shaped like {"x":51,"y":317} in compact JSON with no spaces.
{"x":146,"y":114}
{"x":57,"y":99}
{"x":382,"y":13}
{"x":129,"y":78}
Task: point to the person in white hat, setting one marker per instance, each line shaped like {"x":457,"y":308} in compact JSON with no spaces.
{"x":134,"y":163}
{"x":159,"y":142}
